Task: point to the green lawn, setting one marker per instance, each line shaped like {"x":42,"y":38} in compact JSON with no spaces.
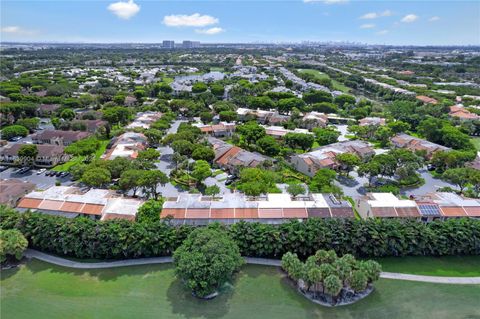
{"x":476,"y":142}
{"x":448,"y":266}
{"x":40,"y":290}
{"x":79,"y":159}
{"x":320,"y":75}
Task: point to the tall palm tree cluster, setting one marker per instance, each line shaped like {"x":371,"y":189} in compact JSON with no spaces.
{"x":327,"y":274}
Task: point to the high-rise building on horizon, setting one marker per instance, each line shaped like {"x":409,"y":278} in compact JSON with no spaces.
{"x":168,"y":44}
{"x":190,"y":44}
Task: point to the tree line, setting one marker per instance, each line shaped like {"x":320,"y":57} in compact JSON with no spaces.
{"x":118,"y":239}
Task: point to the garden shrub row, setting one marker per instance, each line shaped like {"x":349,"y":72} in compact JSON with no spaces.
{"x":85,"y":238}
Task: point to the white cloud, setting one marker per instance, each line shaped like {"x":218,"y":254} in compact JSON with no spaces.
{"x":434,"y":18}
{"x":124,"y":10}
{"x":367,"y":26}
{"x":16,"y":30}
{"x":375,"y":15}
{"x":383,"y":32}
{"x":210,"y":31}
{"x":327,"y":1}
{"x":409,"y":18}
{"x":194,"y":20}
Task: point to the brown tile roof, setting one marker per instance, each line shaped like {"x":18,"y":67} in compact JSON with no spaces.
{"x":72,"y":207}
{"x":342,"y":212}
{"x":48,"y":204}
{"x":13,"y":189}
{"x":246,"y":213}
{"x":323,"y":212}
{"x":70,"y":136}
{"x":118,"y":216}
{"x":407,"y":211}
{"x":176,"y":213}
{"x":222,"y":213}
{"x":295,"y":213}
{"x":453,"y":211}
{"x":31,"y":203}
{"x":270,"y":213}
{"x":384,"y":212}
{"x":225,"y":158}
{"x":473,"y":211}
{"x":92,"y":209}
{"x":44,"y":150}
{"x":197,"y":213}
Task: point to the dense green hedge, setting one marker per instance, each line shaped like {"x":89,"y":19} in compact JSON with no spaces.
{"x":84,"y":238}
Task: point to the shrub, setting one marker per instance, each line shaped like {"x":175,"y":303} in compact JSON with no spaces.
{"x":12,"y":243}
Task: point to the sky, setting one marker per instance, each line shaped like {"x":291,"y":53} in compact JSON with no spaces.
{"x":405,"y":22}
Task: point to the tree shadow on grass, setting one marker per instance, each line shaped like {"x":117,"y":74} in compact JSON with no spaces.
{"x":182,"y":302}
{"x":102,"y":274}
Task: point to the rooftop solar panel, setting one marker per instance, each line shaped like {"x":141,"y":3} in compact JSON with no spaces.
{"x":429,"y":210}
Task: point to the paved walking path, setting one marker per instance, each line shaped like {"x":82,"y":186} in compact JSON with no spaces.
{"x":31,"y":253}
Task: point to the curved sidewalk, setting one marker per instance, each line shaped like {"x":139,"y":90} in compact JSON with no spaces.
{"x":249,"y":260}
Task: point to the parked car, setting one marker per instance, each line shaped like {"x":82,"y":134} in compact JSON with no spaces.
{"x":64,"y":174}
{"x":431,"y":167}
{"x":40,"y":171}
{"x":3,"y":168}
{"x":22,"y":170}
{"x":58,"y":174}
{"x":15,"y":139}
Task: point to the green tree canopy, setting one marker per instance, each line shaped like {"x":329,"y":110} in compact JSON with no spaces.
{"x":206,"y":260}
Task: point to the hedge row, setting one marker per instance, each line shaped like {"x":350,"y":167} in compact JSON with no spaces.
{"x":85,"y":238}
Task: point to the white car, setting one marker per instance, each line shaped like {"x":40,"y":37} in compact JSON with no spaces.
{"x":40,"y":171}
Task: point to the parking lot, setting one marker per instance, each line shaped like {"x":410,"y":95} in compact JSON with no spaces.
{"x":41,"y":180}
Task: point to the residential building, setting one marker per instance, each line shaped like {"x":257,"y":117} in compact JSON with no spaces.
{"x":45,"y":110}
{"x":59,"y":137}
{"x":371,"y":121}
{"x":195,"y":209}
{"x":233,"y":158}
{"x":427,"y":208}
{"x":69,"y":201}
{"x":144,"y":120}
{"x":314,"y":119}
{"x":414,"y":144}
{"x":222,"y":129}
{"x":11,"y":190}
{"x":126,"y":145}
{"x":386,"y":205}
{"x":462,"y":113}
{"x":91,"y":126}
{"x":262,"y":116}
{"x":279,"y":132}
{"x":426,"y":99}
{"x":447,"y":205}
{"x":48,"y":155}
{"x":324,"y":157}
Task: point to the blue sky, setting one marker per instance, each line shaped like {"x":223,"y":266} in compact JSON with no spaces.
{"x":377,"y":22}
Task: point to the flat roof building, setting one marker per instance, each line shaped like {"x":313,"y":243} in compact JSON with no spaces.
{"x":196,"y":209}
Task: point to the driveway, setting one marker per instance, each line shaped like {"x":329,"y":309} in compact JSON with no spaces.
{"x":354,"y":187}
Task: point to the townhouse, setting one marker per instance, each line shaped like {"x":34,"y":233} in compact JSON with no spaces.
{"x":48,"y":155}
{"x":58,"y":137}
{"x":324,"y":157}
{"x":126,"y":145}
{"x":372,"y":121}
{"x":414,"y":144}
{"x":69,"y":201}
{"x":195,"y":209}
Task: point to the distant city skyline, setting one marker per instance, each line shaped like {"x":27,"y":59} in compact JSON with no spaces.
{"x":131,"y":21}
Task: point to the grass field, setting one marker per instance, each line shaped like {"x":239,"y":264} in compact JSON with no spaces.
{"x":476,"y":142}
{"x":79,"y":159}
{"x":448,"y":266}
{"x":40,"y":290}
{"x":320,"y":75}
